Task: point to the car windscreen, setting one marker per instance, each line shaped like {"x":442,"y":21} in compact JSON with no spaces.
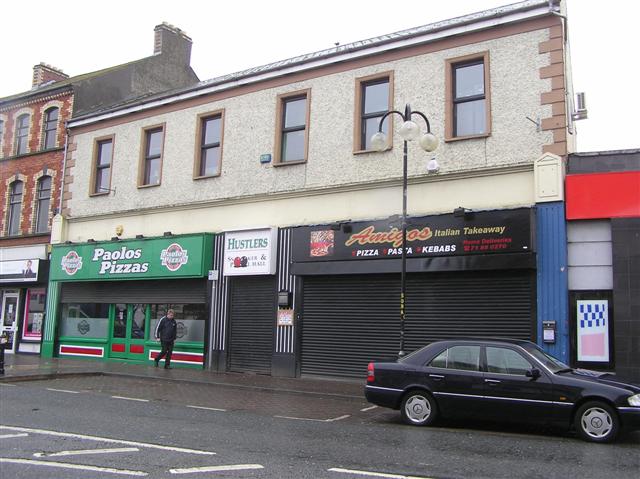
{"x":551,"y":363}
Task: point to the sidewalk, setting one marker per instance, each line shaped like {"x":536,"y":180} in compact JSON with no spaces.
{"x":22,"y":367}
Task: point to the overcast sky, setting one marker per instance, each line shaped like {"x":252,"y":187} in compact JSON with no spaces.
{"x":78,"y":37}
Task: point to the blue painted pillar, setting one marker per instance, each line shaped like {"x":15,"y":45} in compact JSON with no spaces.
{"x":553,"y":294}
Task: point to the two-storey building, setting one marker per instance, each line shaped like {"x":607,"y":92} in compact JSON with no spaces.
{"x":255,"y":206}
{"x":33,"y":150}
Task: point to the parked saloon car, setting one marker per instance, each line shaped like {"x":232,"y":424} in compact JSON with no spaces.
{"x":503,"y":379}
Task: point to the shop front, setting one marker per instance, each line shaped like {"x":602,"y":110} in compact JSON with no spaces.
{"x":23,"y":289}
{"x":469,"y":274}
{"x":249,"y":270}
{"x":108,"y":297}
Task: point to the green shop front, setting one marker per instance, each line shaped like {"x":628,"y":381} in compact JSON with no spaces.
{"x":106,"y":298}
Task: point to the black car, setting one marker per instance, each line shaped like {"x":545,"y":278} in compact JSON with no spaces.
{"x":503,"y":379}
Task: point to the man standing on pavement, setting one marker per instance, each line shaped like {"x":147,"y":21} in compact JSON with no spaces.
{"x":166,"y":332}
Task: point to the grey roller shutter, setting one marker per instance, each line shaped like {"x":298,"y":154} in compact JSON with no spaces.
{"x":187,"y":291}
{"x":252,"y":316}
{"x":348,"y":321}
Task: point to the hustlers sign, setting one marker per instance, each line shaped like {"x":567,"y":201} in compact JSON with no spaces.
{"x":180,"y":256}
{"x":487,"y":232}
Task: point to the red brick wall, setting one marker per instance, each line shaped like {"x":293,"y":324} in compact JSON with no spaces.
{"x":31,"y":166}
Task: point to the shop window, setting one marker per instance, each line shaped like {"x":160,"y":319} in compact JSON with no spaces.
{"x":34,"y":313}
{"x":468,"y":97}
{"x":88,"y":320}
{"x":151,"y":162}
{"x":15,"y":207}
{"x":190,"y":318}
{"x":293,"y":128}
{"x":43,"y":203}
{"x":373,"y":100}
{"x":22,"y":134}
{"x":50,"y":127}
{"x":209,"y":153}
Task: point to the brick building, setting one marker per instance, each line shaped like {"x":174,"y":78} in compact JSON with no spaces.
{"x":33,"y":150}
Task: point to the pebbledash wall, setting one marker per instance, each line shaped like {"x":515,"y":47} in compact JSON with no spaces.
{"x":514,"y":166}
{"x":105,"y":298}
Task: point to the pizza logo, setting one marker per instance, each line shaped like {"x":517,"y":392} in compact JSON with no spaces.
{"x":71,"y":263}
{"x":174,"y":257}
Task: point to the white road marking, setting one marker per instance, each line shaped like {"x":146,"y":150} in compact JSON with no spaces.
{"x":208,"y":408}
{"x":81,"y":452}
{"x":62,"y":465}
{"x":9,"y":436}
{"x":368,"y":408}
{"x":63,"y":391}
{"x":314,"y":420}
{"x":130,"y":399}
{"x":8,"y":385}
{"x":374,"y":474}
{"x":106,"y":439}
{"x":235,"y":467}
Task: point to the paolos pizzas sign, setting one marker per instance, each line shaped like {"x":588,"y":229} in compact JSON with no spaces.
{"x":181,"y":256}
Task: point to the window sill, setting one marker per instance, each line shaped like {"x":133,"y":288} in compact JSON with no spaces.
{"x":364,"y":152}
{"x":148,"y":186}
{"x":217,"y":175}
{"x":449,"y":139}
{"x":104,"y":193}
{"x":287,"y":163}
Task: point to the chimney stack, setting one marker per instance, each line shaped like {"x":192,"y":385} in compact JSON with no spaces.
{"x":171,"y":41}
{"x":43,"y":73}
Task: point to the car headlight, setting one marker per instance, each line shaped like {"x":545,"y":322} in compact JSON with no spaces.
{"x":634,"y":400}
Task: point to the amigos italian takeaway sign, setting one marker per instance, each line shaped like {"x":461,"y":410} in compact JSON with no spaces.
{"x":173,"y":257}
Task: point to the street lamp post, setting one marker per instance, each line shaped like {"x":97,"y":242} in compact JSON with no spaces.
{"x":409,"y":131}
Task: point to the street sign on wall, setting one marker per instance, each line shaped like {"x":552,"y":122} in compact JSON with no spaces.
{"x":174,"y":257}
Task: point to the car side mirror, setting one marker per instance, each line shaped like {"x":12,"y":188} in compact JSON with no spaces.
{"x":533,"y":373}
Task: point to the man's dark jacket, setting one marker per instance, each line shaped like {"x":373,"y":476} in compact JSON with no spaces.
{"x":167,"y":329}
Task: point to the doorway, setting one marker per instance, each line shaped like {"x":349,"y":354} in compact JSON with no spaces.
{"x":129,"y":331}
{"x":9,"y":319}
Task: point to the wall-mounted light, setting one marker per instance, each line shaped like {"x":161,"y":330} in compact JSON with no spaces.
{"x":139,"y":236}
{"x":115,"y":238}
{"x":167,"y":233}
{"x":461,"y":212}
{"x":91,"y":240}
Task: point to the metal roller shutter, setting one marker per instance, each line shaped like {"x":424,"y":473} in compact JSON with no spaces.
{"x":187,"y":291}
{"x":351,"y":320}
{"x":252,"y":315}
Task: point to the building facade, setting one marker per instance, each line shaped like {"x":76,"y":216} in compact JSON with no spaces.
{"x":277,"y":162}
{"x":33,"y":152}
{"x":603,"y":221}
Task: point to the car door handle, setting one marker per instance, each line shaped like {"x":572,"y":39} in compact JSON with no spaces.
{"x":492,"y":382}
{"x":436,"y":377}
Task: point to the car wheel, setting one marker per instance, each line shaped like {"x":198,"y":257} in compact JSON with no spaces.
{"x":419,"y":408}
{"x":597,"y":422}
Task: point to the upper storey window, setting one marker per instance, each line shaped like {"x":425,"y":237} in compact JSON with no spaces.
{"x":50,"y":128}
{"x":15,"y":207}
{"x":209,"y":154}
{"x":468,"y":97}
{"x":293,"y":132}
{"x":102,"y":158}
{"x":43,"y":204}
{"x":151,"y":165}
{"x":373,"y":100}
{"x":22,"y":134}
